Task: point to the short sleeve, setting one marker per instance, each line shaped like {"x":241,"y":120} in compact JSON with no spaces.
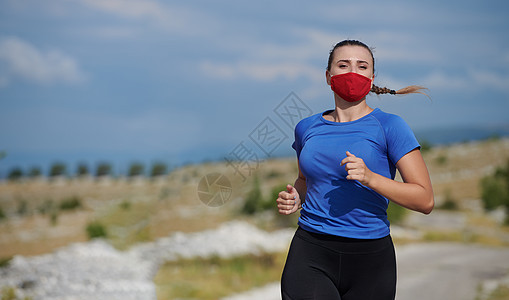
{"x":399,"y":137}
{"x":300,"y":133}
{"x":297,"y":144}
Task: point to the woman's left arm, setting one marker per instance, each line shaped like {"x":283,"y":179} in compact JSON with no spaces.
{"x":415,"y":192}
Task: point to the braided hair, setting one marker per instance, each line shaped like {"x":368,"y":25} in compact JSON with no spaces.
{"x":406,"y":90}
{"x":375,"y":89}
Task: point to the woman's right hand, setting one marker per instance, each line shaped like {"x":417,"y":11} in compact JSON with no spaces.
{"x":288,"y":201}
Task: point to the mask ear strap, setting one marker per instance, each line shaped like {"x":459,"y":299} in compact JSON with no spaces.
{"x":328,"y":77}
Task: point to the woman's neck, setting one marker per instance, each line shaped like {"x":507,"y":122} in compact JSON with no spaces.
{"x":348,"y":111}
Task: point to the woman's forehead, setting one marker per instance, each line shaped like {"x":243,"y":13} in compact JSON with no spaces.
{"x":352,"y":53}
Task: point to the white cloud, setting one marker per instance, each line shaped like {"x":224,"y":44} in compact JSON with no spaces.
{"x":490,"y":80}
{"x":262,"y":71}
{"x":128,"y":8}
{"x":374,"y":11}
{"x":175,"y":19}
{"x":112,"y":32}
{"x":23,"y":60}
{"x":441,"y":80}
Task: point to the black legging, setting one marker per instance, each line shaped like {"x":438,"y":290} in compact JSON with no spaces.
{"x":328,"y":267}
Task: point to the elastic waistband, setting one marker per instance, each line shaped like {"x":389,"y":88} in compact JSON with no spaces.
{"x":345,"y":245}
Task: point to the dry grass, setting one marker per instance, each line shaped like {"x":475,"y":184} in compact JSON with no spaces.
{"x":214,"y":278}
{"x":456,"y":170}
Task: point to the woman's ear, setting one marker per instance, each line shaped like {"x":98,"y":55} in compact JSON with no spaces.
{"x":327,"y":77}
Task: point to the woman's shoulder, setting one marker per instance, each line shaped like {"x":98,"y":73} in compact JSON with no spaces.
{"x":388,"y":119}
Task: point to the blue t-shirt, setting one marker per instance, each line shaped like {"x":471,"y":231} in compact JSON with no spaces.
{"x":338,"y":206}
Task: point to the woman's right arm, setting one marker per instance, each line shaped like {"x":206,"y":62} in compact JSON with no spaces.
{"x":291,"y":200}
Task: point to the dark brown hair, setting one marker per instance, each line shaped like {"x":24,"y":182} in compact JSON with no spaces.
{"x":375,"y":89}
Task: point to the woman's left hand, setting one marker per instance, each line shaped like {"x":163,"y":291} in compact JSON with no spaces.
{"x":356,"y":169}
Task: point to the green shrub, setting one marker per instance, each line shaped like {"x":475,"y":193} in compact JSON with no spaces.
{"x":255,"y":202}
{"x":70,"y":203}
{"x":441,"y":160}
{"x":4,"y":261}
{"x":254,"y":199}
{"x":2,"y":214}
{"x":125,"y":205}
{"x":396,"y":213}
{"x":495,"y":190}
{"x":449,"y":203}
{"x":96,"y":230}
{"x":273,"y":174}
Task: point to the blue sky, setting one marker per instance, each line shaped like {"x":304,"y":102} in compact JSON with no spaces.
{"x":177,"y":81}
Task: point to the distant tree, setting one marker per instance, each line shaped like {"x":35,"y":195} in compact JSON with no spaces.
{"x":34,"y":172}
{"x":158,"y":169}
{"x":3,"y":154}
{"x":136,"y":169}
{"x":82,"y":170}
{"x":103,"y":169}
{"x":58,"y":169}
{"x":495,"y":189}
{"x":254,"y":200}
{"x":15,"y":174}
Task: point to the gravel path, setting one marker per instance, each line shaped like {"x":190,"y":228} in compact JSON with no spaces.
{"x":95,"y":270}
{"x":449,"y":271}
{"x":439,"y":271}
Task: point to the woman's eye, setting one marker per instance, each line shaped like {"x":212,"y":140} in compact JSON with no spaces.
{"x":342,"y":66}
{"x":363,"y":67}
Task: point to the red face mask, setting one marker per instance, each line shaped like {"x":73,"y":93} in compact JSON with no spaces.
{"x":350,"y":86}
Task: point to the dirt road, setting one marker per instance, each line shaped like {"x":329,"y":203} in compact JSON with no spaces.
{"x":438,"y":271}
{"x":448,"y":271}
